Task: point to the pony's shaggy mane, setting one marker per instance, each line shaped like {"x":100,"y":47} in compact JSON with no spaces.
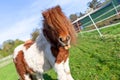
{"x":54,"y":19}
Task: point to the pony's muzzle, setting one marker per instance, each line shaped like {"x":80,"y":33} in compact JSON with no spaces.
{"x":65,"y":42}
{"x":67,"y":47}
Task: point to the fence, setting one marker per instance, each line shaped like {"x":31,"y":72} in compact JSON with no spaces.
{"x":97,"y":16}
{"x":5,"y":61}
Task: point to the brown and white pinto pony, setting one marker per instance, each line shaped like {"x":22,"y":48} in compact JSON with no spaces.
{"x":50,"y":50}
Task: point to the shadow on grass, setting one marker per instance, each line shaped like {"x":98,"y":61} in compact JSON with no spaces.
{"x":47,"y":77}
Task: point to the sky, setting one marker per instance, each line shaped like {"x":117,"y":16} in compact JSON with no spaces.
{"x":18,"y":18}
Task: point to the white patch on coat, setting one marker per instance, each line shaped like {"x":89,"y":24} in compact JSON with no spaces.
{"x":63,"y":70}
{"x":59,"y":68}
{"x":37,"y":56}
{"x":67,"y":70}
{"x":17,"y":49}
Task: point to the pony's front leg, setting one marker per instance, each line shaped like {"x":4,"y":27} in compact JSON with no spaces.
{"x":67,"y":70}
{"x":59,"y":68}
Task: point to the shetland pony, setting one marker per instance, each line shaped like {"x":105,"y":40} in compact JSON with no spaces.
{"x":50,"y":50}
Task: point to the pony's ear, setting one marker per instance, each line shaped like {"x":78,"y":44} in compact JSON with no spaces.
{"x":44,"y":14}
{"x":58,"y":7}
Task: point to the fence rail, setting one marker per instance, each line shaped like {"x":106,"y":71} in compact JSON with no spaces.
{"x":101,"y":27}
{"x":95,"y":19}
{"x":5,"y":61}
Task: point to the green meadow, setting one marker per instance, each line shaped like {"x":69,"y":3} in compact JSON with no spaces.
{"x":92,"y":58}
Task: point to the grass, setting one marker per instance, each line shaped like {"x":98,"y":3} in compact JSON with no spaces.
{"x":93,"y":58}
{"x":8,"y":72}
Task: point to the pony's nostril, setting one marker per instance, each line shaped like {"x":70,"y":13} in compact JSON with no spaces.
{"x":66,"y":45}
{"x":68,"y":38}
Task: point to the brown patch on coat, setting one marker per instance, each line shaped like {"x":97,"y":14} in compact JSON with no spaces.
{"x":28,"y":43}
{"x":61,"y":54}
{"x":21,"y":65}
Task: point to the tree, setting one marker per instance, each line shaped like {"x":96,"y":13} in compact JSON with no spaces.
{"x":81,"y":14}
{"x":73,"y":17}
{"x":94,"y":4}
{"x":9,"y":46}
{"x":35,"y":34}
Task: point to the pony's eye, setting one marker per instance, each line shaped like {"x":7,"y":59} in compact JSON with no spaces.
{"x":68,"y":38}
{"x":60,"y":39}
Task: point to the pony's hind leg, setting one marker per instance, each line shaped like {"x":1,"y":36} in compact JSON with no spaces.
{"x":27,"y":77}
{"x":33,"y":77}
{"x":39,"y":76}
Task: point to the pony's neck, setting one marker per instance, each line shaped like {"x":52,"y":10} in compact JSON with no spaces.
{"x":41,"y":41}
{"x":50,"y":37}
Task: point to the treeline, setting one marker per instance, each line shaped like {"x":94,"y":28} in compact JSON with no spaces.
{"x":8,"y":47}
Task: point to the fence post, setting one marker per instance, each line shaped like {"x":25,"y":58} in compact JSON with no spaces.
{"x":115,"y":7}
{"x":95,"y":25}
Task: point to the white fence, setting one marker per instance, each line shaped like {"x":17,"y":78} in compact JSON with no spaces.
{"x":93,"y":21}
{"x":5,"y":61}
